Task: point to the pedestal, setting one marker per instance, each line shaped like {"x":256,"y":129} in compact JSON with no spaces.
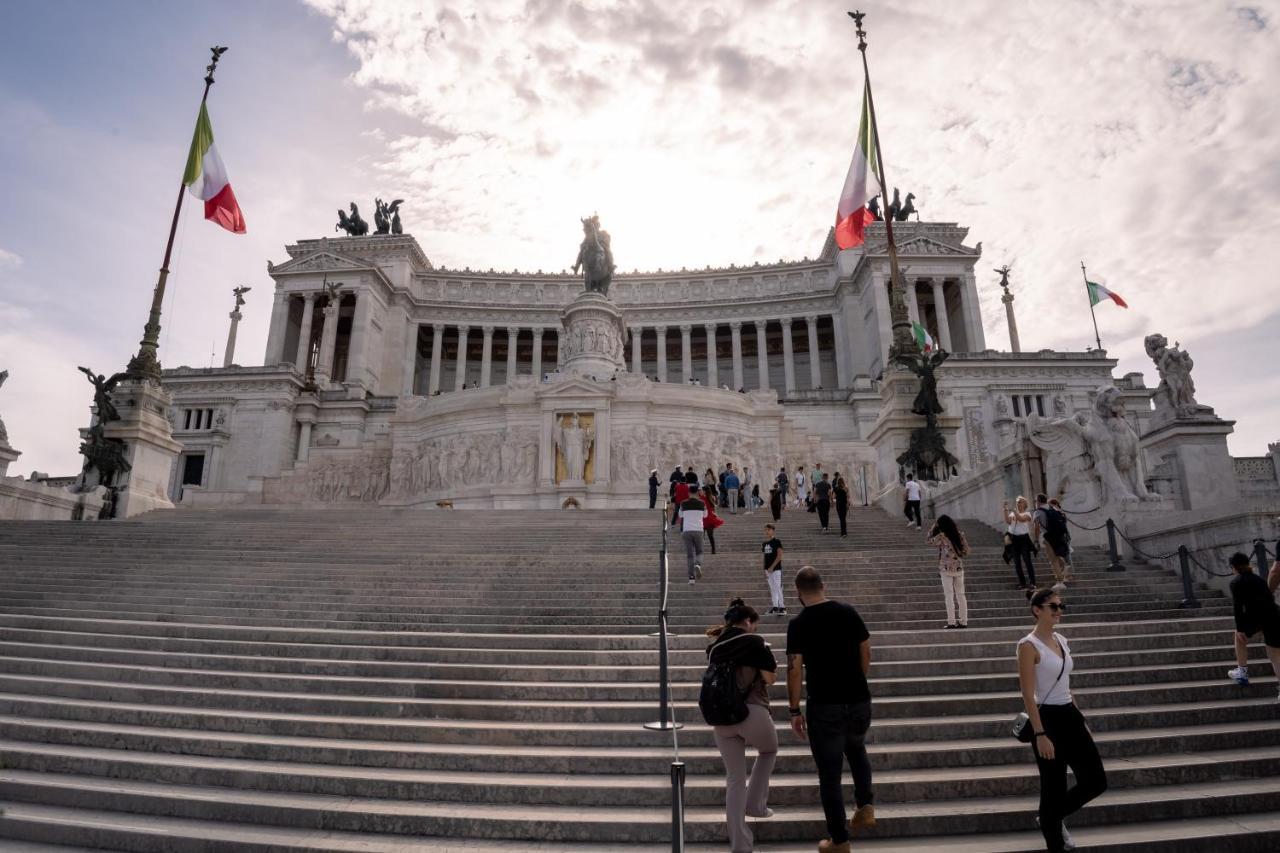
{"x":593,"y":336}
{"x":150,"y":448}
{"x":1194,"y":450}
{"x":7,"y":456}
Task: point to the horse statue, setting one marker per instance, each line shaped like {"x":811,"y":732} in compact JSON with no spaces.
{"x":353,"y":224}
{"x":874,"y":207}
{"x":907,"y":209}
{"x":895,"y":207}
{"x":595,"y":257}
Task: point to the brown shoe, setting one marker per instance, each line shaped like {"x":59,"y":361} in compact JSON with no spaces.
{"x":864,"y":817}
{"x":826,"y":845}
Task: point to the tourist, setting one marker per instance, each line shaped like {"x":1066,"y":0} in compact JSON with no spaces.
{"x":1060,"y":736}
{"x":841,"y":490}
{"x":736,"y":642}
{"x":732,"y":485}
{"x":654,"y":482}
{"x":1255,"y":612}
{"x":802,"y":490}
{"x":775,"y":502}
{"x":828,"y":645}
{"x":1066,"y":541}
{"x":911,"y":501}
{"x":1019,"y":521}
{"x":677,"y":476}
{"x":822,"y":498}
{"x":692,"y":513}
{"x":784,"y":486}
{"x":680,"y":493}
{"x":709,"y":481}
{"x":721,"y":477}
{"x":748,"y":492}
{"x":772,"y":550}
{"x":712,"y":520}
{"x":952,"y":549}
{"x":1049,"y":525}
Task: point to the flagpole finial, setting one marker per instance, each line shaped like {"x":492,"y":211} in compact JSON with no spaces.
{"x":862,"y":34}
{"x":217,"y":52}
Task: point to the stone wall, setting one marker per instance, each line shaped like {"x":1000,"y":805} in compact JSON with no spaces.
{"x":21,"y":499}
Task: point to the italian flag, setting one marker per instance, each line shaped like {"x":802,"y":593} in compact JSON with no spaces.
{"x":860,"y":185}
{"x":1097,"y":293}
{"x":923,"y":339}
{"x":206,"y":177}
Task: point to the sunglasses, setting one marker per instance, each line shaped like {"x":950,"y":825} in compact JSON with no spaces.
{"x":1056,"y":607}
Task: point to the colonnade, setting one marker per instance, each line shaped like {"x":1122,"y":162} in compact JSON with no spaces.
{"x":318,"y":353}
{"x":465,"y":335}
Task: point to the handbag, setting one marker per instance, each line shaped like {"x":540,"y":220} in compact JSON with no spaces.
{"x":1022,"y":731}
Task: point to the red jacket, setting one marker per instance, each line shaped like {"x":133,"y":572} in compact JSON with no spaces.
{"x":682,"y":493}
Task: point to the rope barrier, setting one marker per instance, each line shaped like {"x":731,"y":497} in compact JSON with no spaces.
{"x":1206,"y":569}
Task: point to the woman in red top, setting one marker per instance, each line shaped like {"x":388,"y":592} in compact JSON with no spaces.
{"x":712,"y":521}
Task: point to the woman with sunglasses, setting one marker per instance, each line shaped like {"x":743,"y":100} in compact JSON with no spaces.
{"x":1062,"y":738}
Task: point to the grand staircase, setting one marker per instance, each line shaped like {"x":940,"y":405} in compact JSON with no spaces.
{"x":385,"y":680}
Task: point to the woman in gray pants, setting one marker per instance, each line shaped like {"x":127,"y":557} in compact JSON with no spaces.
{"x":738,"y":641}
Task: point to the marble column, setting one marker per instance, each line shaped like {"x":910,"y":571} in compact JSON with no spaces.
{"x":940,"y":308}
{"x":735,"y":330}
{"x":303,"y":356}
{"x":636,"y":334}
{"x":788,"y":358}
{"x":328,"y":342}
{"x":762,"y":353}
{"x":537,"y":355}
{"x":359,"y":339}
{"x":513,"y":337}
{"x":662,"y":353}
{"x":486,"y":355}
{"x":976,"y":337}
{"x":815,"y":365}
{"x":686,"y":352}
{"x":843,"y":351}
{"x":461,"y":361}
{"x":409,"y":370}
{"x":304,"y":442}
{"x":275,"y":334}
{"x":1014,"y":344}
{"x":713,"y":369}
{"x":913,"y":304}
{"x":229,"y":356}
{"x":437,"y":355}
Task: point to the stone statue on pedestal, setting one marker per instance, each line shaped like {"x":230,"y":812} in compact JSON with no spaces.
{"x":595,"y":257}
{"x":4,"y":435}
{"x":102,"y":388}
{"x":353,"y":225}
{"x":1177,"y":391}
{"x":927,"y":455}
{"x":574,"y":442}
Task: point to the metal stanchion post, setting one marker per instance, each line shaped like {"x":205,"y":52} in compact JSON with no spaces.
{"x":1188,"y":588}
{"x":664,"y":723}
{"x":677,"y":807}
{"x":1113,"y":552}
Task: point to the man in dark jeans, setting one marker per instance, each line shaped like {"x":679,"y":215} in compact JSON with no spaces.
{"x":828,"y":644}
{"x":822,"y":497}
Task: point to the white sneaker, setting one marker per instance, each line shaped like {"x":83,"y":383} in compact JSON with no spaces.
{"x":692,"y":581}
{"x":1059,"y":586}
{"x":1239,"y":675}
{"x":1067,"y":843}
{"x":697,"y":570}
{"x":910,"y":523}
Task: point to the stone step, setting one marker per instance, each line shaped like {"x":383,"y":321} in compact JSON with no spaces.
{"x":1252,"y":833}
{"x":608,"y":825}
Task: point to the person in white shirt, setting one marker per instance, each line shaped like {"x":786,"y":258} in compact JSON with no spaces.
{"x":911,"y":502}
{"x":1061,"y":737}
{"x":802,"y":491}
{"x":692,"y":513}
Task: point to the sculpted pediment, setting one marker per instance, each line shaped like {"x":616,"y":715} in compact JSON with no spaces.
{"x":922,"y":245}
{"x":320,"y":262}
{"x":572,"y":386}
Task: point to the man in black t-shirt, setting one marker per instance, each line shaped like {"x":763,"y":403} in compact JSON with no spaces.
{"x":829,"y":646}
{"x":822,"y":497}
{"x":772,"y":550}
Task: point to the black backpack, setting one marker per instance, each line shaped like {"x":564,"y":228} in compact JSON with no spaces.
{"x":1055,"y":524}
{"x":720,"y":700}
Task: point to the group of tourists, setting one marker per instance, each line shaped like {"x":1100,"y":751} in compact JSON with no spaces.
{"x":818,"y":493}
{"x":1028,"y":532}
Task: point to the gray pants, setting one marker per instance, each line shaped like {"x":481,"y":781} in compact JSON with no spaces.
{"x":733,"y":501}
{"x":692,"y":548}
{"x":743,"y":797}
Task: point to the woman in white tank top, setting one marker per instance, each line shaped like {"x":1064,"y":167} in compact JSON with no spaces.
{"x":1062,"y":738}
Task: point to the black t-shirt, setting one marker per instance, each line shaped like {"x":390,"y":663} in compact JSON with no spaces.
{"x":822,"y":490}
{"x":1255,"y":607}
{"x":828,"y":636}
{"x":770,"y":550}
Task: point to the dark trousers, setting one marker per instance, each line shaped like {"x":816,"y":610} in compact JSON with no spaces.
{"x":775,"y":508}
{"x":824,"y":513}
{"x":842,"y":510}
{"x":653,"y":496}
{"x":1022,"y":554}
{"x":711,"y":538}
{"x":838,"y":733}
{"x":1072,"y":747}
{"x":912,"y":511}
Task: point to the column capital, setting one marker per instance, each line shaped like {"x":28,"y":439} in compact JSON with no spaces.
{"x":661,"y":330}
{"x":811,"y":319}
{"x":487,"y":330}
{"x":736,"y":325}
{"x":761,"y":325}
{"x":438,"y":328}
{"x":513,"y":330}
{"x":462,"y":330}
{"x":537,"y":334}
{"x":309,"y":297}
{"x":711,"y":328}
{"x":686,"y":328}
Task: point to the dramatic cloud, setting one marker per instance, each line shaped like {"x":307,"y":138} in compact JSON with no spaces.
{"x":9,"y":260}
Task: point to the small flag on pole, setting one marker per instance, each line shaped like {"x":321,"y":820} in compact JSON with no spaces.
{"x":207,"y":179}
{"x":1097,"y":293}
{"x":860,"y":185}
{"x":923,"y":339}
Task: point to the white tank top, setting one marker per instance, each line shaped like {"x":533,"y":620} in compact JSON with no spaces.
{"x":1048,"y":693}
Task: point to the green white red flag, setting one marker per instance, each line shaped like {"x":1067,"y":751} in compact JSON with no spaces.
{"x":1097,"y":293}
{"x":924,"y":340}
{"x":207,"y":179}
{"x":860,"y":185}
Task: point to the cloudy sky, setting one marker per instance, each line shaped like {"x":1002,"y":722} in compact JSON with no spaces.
{"x":1141,"y":137}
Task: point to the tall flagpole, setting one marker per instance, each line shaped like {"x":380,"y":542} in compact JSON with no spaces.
{"x":904,"y":341}
{"x":1092,"y":314}
{"x":146,"y":364}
